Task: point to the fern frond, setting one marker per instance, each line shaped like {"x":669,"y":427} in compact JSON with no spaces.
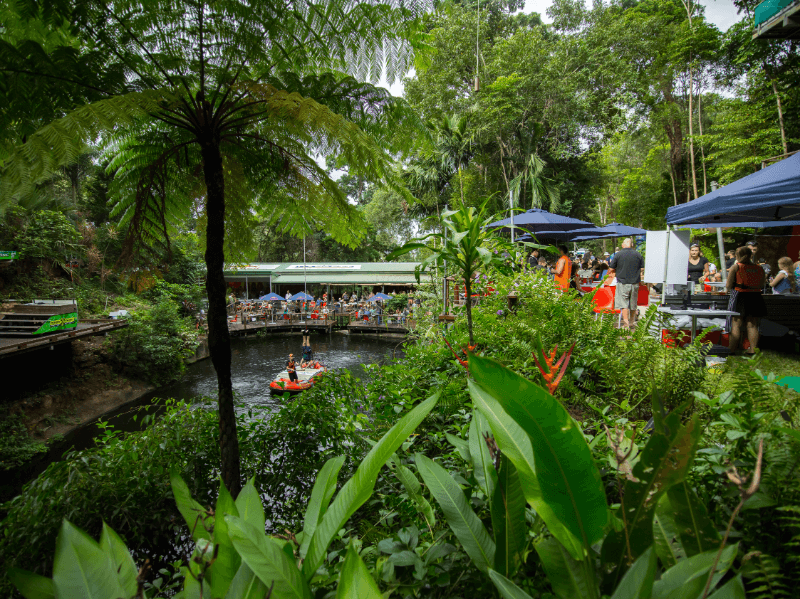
{"x":766,"y":581}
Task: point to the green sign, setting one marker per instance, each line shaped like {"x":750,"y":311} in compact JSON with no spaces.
{"x":8,"y":255}
{"x":59,"y":322}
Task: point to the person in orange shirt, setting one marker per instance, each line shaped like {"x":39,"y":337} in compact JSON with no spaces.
{"x":563,"y":269}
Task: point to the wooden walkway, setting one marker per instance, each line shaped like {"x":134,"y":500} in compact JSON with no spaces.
{"x":248,"y":327}
{"x":11,"y":346}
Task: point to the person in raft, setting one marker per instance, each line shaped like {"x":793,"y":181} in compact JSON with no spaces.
{"x":291,"y":369}
{"x":563,"y":269}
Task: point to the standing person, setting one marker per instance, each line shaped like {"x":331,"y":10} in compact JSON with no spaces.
{"x":628,"y":265}
{"x":753,"y":245}
{"x":745,"y":282}
{"x":291,"y":369}
{"x":730,"y":259}
{"x":563,"y":269}
{"x":698,"y":265}
{"x":533,"y":259}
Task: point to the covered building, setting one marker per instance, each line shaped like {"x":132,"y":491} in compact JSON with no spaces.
{"x":254,"y":280}
{"x":777,"y":19}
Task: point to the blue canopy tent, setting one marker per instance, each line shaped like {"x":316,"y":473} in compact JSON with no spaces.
{"x":271,"y":297}
{"x":769,"y":197}
{"x":303,"y":297}
{"x":610,"y":230}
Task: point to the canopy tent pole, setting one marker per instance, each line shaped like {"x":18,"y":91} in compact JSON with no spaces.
{"x":305,"y":284}
{"x":246,"y":288}
{"x":666,"y":266}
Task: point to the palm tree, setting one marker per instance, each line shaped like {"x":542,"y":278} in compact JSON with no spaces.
{"x":468,"y":245}
{"x":225,"y":103}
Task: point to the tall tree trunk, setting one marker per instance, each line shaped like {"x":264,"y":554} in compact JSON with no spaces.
{"x":674,"y":130}
{"x":702,"y":149}
{"x":780,"y":109}
{"x":219,"y":340}
{"x":691,"y":130}
{"x":468,"y":291}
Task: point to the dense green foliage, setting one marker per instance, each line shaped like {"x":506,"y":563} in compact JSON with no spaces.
{"x":16,"y":445}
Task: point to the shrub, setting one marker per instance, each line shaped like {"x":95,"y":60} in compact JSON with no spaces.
{"x":16,"y":446}
{"x":155,"y":343}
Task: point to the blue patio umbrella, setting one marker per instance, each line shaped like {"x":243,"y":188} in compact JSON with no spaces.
{"x":271,"y":297}
{"x":537,"y":220}
{"x":303,"y":297}
{"x":382,"y":296}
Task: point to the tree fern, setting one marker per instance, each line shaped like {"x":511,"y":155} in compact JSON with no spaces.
{"x":765,"y":580}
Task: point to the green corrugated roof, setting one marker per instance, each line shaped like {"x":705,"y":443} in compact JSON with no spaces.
{"x":349,"y":278}
{"x":275,"y":268}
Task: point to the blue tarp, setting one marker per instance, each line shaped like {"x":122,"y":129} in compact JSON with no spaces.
{"x":767,"y":198}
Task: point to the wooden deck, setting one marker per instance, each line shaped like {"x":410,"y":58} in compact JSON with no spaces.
{"x":15,"y":345}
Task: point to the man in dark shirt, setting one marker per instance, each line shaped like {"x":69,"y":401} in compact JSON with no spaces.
{"x":628,"y":265}
{"x":291,"y":369}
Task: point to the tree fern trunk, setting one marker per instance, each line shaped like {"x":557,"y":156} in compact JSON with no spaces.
{"x":219,"y":340}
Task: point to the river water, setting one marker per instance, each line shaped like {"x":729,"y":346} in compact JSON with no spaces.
{"x":255,"y":362}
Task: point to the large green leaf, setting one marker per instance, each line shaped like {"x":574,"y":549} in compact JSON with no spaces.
{"x":355,"y":581}
{"x":248,"y":504}
{"x":30,"y":585}
{"x":690,"y":574}
{"x":638,"y":580}
{"x":733,"y":589}
{"x":82,"y":569}
{"x":664,"y":462}
{"x":484,"y":469}
{"x":321,"y":494}
{"x":462,"y":520}
{"x":569,"y":578}
{"x":568,"y":478}
{"x":196,"y":517}
{"x":358,"y":489}
{"x":414,"y":490}
{"x":461,"y":446}
{"x":123,"y":563}
{"x":666,"y":537}
{"x":266,"y":558}
{"x":514,"y":443}
{"x":508,"y":520}
{"x":697,"y":532}
{"x":507,"y":589}
{"x":228,"y":561}
{"x":246,"y":585}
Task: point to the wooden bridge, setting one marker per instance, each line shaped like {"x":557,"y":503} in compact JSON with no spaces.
{"x":10,"y":346}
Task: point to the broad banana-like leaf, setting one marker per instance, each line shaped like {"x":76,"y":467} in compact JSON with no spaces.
{"x":248,"y":504}
{"x":638,"y":580}
{"x":228,"y":561}
{"x":664,"y":462}
{"x":507,"y":589}
{"x":196,"y":517}
{"x":83,"y":569}
{"x":733,"y":589}
{"x":30,"y":585}
{"x":462,"y":520}
{"x":355,"y":581}
{"x":484,"y":469}
{"x":697,"y":532}
{"x":461,"y":446}
{"x":666,"y":538}
{"x":321,"y":494}
{"x":569,"y":578}
{"x":358,"y":489}
{"x":414,"y":490}
{"x":123,"y":563}
{"x":266,"y":558}
{"x":688,"y":579}
{"x":515,"y":443}
{"x":508,"y":520}
{"x":568,"y":478}
{"x":246,"y":585}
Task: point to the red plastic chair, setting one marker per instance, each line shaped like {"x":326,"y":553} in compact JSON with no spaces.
{"x":604,"y":301}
